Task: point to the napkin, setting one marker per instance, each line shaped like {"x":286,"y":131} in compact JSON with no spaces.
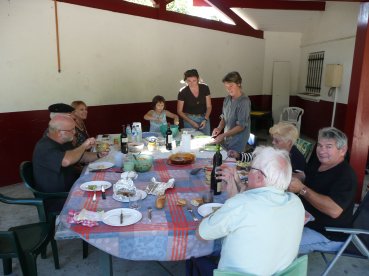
{"x":85,"y":217}
{"x":132,"y":175}
{"x":158,"y":188}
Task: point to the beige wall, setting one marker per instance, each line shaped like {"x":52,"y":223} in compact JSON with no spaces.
{"x":111,"y":58}
{"x":335,"y":34}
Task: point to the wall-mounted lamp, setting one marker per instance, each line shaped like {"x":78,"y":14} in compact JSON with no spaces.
{"x":333,"y":79}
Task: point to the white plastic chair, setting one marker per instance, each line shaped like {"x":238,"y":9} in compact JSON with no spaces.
{"x":292,"y":115}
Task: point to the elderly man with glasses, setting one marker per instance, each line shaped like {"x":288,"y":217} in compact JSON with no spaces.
{"x":54,"y":158}
{"x":261,"y":220}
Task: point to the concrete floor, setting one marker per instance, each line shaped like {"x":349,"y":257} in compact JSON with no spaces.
{"x":70,"y":251}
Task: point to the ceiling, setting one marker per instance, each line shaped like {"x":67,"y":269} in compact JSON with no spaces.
{"x":278,"y":20}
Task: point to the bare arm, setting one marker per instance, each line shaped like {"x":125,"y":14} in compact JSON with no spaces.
{"x":230,"y":132}
{"x":173,"y":116}
{"x":323,"y":203}
{"x":207,"y":114}
{"x":219,"y":128}
{"x":149,"y":117}
{"x":73,"y":156}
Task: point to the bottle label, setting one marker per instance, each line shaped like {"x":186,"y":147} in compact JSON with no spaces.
{"x":219,"y":186}
{"x":124,"y":140}
{"x":170,"y":139}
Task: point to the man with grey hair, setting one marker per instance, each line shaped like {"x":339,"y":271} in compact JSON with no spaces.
{"x":328,"y":192}
{"x":260,"y":222}
{"x":54,"y":158}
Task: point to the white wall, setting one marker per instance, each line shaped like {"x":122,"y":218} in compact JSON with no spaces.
{"x":335,"y":34}
{"x":281,"y":47}
{"x":111,"y":58}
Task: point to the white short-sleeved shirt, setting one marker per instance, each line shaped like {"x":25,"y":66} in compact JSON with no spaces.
{"x":262,"y":230}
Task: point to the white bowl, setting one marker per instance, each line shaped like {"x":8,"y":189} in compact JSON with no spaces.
{"x":135,"y":147}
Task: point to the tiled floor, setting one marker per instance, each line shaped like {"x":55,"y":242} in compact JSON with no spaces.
{"x":70,"y":251}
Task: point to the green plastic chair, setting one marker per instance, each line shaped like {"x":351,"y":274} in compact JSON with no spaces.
{"x":25,"y":242}
{"x":305,"y":147}
{"x":297,"y":268}
{"x":26,"y":173}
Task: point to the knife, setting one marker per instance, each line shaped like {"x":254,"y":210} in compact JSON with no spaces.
{"x":121,"y":216}
{"x":149,"y":213}
{"x":103,"y":195}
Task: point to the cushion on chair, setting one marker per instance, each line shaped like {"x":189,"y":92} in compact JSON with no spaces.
{"x":297,"y":268}
{"x":304,"y":147}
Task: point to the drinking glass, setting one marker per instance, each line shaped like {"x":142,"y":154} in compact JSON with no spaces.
{"x":208,"y":196}
{"x":135,"y":201}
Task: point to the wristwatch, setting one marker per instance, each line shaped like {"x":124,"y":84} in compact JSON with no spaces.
{"x":303,"y":191}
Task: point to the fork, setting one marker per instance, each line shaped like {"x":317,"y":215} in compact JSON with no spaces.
{"x":189,"y":209}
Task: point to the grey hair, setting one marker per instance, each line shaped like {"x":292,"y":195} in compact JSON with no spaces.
{"x":58,"y":121}
{"x":275,"y":164}
{"x":335,"y":134}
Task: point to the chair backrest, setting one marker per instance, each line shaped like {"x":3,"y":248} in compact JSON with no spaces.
{"x":26,"y":173}
{"x":297,"y":268}
{"x":292,"y":115}
{"x":361,"y":221}
{"x":305,"y":147}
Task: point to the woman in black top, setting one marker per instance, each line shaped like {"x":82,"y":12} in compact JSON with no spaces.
{"x":194,"y":103}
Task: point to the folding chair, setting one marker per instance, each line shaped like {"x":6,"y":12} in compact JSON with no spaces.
{"x":305,"y":147}
{"x":357,"y":243}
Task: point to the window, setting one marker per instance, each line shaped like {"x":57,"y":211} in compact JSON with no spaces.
{"x":314,"y":76}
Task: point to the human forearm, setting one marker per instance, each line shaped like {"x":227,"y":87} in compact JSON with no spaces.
{"x":233,"y":131}
{"x":321,"y":202}
{"x":73,"y":156}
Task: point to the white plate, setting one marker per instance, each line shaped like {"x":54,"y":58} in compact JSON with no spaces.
{"x":130,"y":216}
{"x":98,"y":185}
{"x":100,"y":166}
{"x":207,"y":208}
{"x":123,"y":198}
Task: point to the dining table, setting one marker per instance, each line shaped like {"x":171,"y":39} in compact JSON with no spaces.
{"x":168,"y":235}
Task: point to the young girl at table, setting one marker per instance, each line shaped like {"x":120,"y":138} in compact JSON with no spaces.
{"x":158,"y":115}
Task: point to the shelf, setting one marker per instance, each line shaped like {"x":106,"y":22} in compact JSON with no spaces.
{"x":309,"y":96}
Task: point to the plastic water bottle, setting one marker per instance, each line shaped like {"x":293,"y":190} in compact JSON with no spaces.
{"x":129,"y":133}
{"x":134,"y":134}
{"x":139,"y":135}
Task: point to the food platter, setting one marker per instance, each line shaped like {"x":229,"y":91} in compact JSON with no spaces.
{"x":130,"y":216}
{"x":181,"y":158}
{"x":92,"y":186}
{"x":208,"y":208}
{"x":100,"y":166}
{"x":140,"y":194}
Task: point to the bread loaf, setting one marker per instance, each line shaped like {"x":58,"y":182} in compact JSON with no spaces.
{"x":160,"y":202}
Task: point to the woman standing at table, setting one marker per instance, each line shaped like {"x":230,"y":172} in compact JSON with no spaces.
{"x":194,"y":103}
{"x":235,"y":117}
{"x":79,"y":115}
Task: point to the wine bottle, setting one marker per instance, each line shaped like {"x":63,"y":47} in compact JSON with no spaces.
{"x":168,"y":138}
{"x":124,"y":141}
{"x":216,"y":184}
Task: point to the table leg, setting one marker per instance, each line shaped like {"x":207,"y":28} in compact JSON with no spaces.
{"x":106,"y":265}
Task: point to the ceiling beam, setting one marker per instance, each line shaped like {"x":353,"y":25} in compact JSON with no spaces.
{"x":278,"y":5}
{"x":161,"y":13}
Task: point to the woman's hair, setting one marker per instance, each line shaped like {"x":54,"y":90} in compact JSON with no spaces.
{"x":157,"y":99}
{"x":275,"y":164}
{"x":287,"y":131}
{"x":191,"y":73}
{"x":75,"y":104}
{"x":234,"y":77}
{"x":335,"y":134}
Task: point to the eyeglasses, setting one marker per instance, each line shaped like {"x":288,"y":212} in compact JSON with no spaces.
{"x":256,"y":169}
{"x":68,"y":130}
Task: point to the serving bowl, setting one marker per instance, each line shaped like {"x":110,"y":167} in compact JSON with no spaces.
{"x":135,"y":147}
{"x":174,"y":128}
{"x":143,"y":162}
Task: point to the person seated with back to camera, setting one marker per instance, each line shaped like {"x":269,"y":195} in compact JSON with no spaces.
{"x":328,"y":193}
{"x":54,"y":158}
{"x":259,"y":221}
{"x":284,"y":136}
{"x":158,"y":114}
